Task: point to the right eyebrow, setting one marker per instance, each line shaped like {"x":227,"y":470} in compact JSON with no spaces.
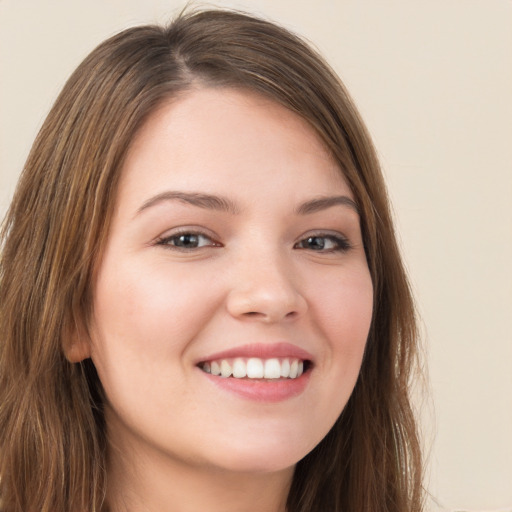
{"x":207,"y":201}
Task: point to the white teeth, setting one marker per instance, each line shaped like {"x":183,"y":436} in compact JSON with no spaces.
{"x":272,"y":369}
{"x":285,"y":368}
{"x":225,"y":369}
{"x":255,"y":368}
{"x":294,"y":368}
{"x":215,"y":368}
{"x":239,"y":369}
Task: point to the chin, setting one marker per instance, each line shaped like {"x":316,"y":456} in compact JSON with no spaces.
{"x":259,"y":465}
{"x":258,"y":457}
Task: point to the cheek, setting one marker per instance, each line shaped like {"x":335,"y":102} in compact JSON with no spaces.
{"x":344,"y":313}
{"x":142,"y":325}
{"x":341,"y":308}
{"x":346,"y":308}
{"x":157,"y":309}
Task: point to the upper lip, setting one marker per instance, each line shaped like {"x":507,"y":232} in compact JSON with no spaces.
{"x":262,"y":351}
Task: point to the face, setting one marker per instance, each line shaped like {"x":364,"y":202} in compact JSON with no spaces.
{"x":233,"y":300}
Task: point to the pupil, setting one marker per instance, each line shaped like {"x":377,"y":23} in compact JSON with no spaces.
{"x":186,"y":240}
{"x":316,"y":242}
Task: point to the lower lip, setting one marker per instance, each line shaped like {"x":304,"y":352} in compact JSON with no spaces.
{"x":260,"y":390}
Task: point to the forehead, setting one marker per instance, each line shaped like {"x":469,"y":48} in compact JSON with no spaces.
{"x":220,"y":136}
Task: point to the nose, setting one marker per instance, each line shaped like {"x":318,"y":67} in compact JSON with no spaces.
{"x":265,"y":290}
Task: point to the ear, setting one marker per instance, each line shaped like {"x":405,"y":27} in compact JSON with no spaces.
{"x":76,"y":342}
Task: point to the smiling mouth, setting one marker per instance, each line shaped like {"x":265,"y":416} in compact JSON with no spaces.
{"x":257,"y":368}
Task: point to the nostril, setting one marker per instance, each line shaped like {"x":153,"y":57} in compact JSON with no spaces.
{"x":270,"y":317}
{"x":261,"y":305}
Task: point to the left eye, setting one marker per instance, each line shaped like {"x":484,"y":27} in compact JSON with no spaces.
{"x":186,"y":241}
{"x":324,"y":243}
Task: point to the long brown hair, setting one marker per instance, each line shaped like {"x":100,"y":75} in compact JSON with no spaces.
{"x":52,"y":442}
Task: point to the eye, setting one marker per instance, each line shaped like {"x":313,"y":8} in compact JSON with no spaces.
{"x":187,"y":240}
{"x":324,"y":243}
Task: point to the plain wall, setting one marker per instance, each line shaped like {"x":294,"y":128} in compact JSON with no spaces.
{"x":433,"y":80}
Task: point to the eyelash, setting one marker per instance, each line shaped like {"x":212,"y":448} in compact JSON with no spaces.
{"x":341,"y":244}
{"x":166,"y":241}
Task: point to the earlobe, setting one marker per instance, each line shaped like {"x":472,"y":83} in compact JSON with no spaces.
{"x":76,"y":343}
{"x":77,"y":351}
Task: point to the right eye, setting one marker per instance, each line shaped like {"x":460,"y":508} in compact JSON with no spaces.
{"x":186,"y":241}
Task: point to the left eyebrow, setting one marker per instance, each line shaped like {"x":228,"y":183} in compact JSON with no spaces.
{"x":323,"y":203}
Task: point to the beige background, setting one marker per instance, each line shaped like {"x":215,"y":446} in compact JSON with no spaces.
{"x":433,"y":79}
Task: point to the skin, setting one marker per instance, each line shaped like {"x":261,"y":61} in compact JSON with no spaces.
{"x":178,"y":442}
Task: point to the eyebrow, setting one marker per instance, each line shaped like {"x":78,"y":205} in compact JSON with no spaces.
{"x":207,"y":201}
{"x":323,"y":203}
{"x":223,"y":204}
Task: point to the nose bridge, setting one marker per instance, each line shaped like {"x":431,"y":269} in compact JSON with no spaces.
{"x":264,"y":284}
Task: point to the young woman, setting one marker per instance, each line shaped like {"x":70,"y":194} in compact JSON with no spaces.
{"x":202,"y":303}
